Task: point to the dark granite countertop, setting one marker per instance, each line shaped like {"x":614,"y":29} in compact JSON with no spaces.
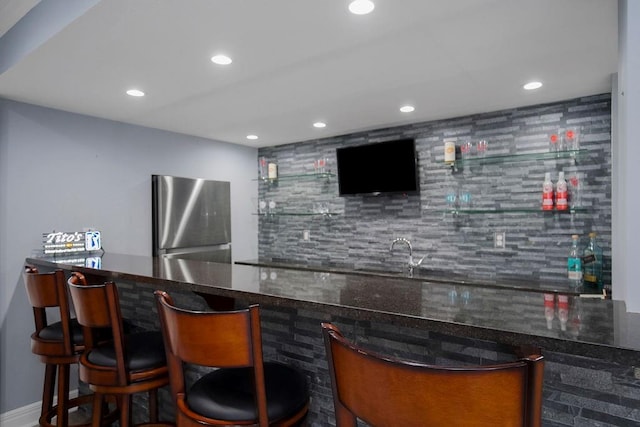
{"x":598,"y":328}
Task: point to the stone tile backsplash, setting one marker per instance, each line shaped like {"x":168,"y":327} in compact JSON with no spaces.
{"x":360,"y":234}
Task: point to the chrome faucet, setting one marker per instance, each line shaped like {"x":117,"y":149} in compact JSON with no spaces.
{"x":411,"y":263}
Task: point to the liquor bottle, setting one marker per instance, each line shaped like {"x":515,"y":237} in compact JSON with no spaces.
{"x":272,"y":171}
{"x":592,"y":260}
{"x":449,"y":152}
{"x":562,"y":202}
{"x":547,"y":192}
{"x":574,"y":264}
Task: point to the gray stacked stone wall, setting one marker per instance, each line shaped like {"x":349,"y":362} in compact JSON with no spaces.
{"x":537,"y":244}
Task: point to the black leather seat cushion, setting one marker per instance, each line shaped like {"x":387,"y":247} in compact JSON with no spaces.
{"x":145,"y":350}
{"x":53,"y":332}
{"x":228,"y":394}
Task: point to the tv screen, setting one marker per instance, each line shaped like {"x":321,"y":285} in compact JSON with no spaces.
{"x":378,"y":168}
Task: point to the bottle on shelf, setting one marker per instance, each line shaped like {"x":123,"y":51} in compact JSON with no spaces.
{"x":547,"y":192}
{"x":574,"y":264}
{"x":273,"y":171}
{"x":549,"y":309}
{"x":449,"y":152}
{"x":562,"y":202}
{"x":592,"y":260}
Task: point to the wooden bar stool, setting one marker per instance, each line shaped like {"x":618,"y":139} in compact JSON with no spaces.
{"x":123,"y":365}
{"x":58,"y":345}
{"x":244,"y":390}
{"x":386,"y":391}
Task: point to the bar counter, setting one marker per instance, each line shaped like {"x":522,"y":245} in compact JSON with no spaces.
{"x":591,"y":362}
{"x":598,"y":328}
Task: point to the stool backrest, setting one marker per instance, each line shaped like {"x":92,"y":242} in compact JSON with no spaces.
{"x":223,"y":339}
{"x":48,"y":290}
{"x":97,"y":307}
{"x":387,"y":391}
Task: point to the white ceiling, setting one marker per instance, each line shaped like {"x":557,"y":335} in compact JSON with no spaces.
{"x":299,"y":61}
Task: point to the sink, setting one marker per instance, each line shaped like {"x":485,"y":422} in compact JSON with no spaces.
{"x":421,"y":274}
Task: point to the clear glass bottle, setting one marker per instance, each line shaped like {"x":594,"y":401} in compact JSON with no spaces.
{"x":547,"y":192}
{"x":574,"y":264}
{"x":592,"y":260}
{"x":562,"y":202}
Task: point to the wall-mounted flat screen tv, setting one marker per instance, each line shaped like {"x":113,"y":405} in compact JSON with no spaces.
{"x":378,"y":168}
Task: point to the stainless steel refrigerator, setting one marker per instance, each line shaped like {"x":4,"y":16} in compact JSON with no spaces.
{"x":191,"y":218}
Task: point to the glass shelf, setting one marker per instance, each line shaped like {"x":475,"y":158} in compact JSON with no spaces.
{"x":285,"y":213}
{"x":472,"y":211}
{"x":295,"y":177}
{"x":508,"y":158}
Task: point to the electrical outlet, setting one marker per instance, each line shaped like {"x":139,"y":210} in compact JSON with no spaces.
{"x":499,"y":240}
{"x":306,"y":235}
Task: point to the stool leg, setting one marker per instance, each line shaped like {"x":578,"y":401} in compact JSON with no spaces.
{"x":153,"y":405}
{"x":63,"y":395}
{"x":48,"y":390}
{"x":125,"y":410}
{"x":96,"y":416}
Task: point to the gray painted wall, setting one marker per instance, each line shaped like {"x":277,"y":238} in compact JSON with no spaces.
{"x":66,"y":171}
{"x":537,"y":243}
{"x":626,"y":228}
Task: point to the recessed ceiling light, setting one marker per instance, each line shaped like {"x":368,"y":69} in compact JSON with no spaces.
{"x":407,"y":108}
{"x":532,"y":85}
{"x":252,"y":136}
{"x":319,"y":125}
{"x":135,"y":92}
{"x":361,"y":7}
{"x":221,"y":60}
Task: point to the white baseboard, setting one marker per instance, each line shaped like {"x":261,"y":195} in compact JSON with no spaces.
{"x":27,"y":416}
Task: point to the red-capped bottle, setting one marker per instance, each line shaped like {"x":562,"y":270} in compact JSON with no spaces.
{"x":562,"y":200}
{"x":547,"y":192}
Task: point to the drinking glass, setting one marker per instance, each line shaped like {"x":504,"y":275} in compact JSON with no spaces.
{"x":555,"y":142}
{"x":465,"y":200}
{"x":262,"y":207}
{"x":575,"y":187}
{"x":481,"y":147}
{"x":262,"y":167}
{"x":571,"y":139}
{"x":322,"y":165}
{"x":465,"y":149}
{"x":272,"y":206}
{"x":451,"y":199}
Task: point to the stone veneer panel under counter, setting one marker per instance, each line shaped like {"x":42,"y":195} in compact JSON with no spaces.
{"x":537,"y":244}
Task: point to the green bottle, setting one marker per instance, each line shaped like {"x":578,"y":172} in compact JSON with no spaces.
{"x":574,"y":264}
{"x":592,"y":261}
